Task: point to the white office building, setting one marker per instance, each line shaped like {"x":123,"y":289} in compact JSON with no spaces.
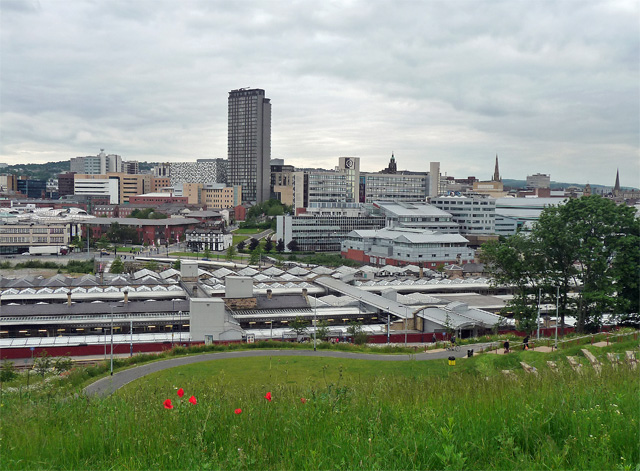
{"x":474,"y":213}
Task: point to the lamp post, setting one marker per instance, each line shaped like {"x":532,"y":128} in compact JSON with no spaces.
{"x":315,"y":321}
{"x":557,"y":297}
{"x":406,"y":308}
{"x":180,"y":327}
{"x":173,"y":313}
{"x":388,"y":325}
{"x":130,"y":337}
{"x":111,"y":369}
{"x":538,"y":320}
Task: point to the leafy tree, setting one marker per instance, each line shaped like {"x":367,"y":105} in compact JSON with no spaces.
{"x":292,"y":246}
{"x":241,"y":245}
{"x":176,"y":264}
{"x":589,"y":246}
{"x":355,"y":331}
{"x":103,"y":243}
{"x":322,"y":330}
{"x":268,"y":245}
{"x":231,"y":252}
{"x":517,"y":262}
{"x":42,"y":363}
{"x":280,"y":246}
{"x":207,"y":253}
{"x":299,"y":326}
{"x":117,"y":266}
{"x":151,"y":265}
{"x":253,"y":243}
{"x":8,"y":371}
{"x":255,"y":256}
{"x":62,"y":364}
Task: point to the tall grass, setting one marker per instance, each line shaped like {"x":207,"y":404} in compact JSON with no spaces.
{"x":357,"y":415}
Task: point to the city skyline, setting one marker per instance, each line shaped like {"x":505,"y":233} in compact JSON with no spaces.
{"x":455,"y":83}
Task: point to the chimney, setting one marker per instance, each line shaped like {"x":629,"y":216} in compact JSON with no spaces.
{"x":69,"y":298}
{"x":195,"y":291}
{"x":270,"y":293}
{"x":304,"y":294}
{"x":421,"y":272}
{"x":126,"y":296}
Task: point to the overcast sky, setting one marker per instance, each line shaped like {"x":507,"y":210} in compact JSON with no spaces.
{"x":549,"y":86}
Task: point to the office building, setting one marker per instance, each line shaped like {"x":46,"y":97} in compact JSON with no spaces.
{"x":539,"y":180}
{"x":200,"y":171}
{"x":475,"y":214}
{"x":404,"y":246}
{"x":96,"y":164}
{"x":249,"y":143}
{"x":32,"y":188}
{"x":323,"y":229}
{"x":416,"y":215}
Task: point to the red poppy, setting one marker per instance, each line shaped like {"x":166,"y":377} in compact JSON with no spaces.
{"x":303,"y":400}
{"x":238,"y":411}
{"x":193,"y":400}
{"x":180,"y":392}
{"x":268,"y":397}
{"x":167,"y":404}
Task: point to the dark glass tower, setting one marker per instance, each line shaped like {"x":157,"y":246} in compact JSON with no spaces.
{"x":249,"y":143}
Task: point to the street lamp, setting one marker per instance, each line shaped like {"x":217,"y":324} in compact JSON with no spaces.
{"x":406,"y":308}
{"x":180,"y":327}
{"x":111,"y":369}
{"x":388,"y":325}
{"x":557,"y":297}
{"x":315,"y":321}
{"x":538,"y":320}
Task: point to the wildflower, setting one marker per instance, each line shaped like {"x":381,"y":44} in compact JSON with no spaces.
{"x":167,"y":404}
{"x":180,"y":392}
{"x":238,"y":411}
{"x":268,"y":397}
{"x":303,"y":400}
{"x":193,"y":400}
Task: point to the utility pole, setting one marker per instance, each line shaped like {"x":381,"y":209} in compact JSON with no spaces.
{"x":538,"y":320}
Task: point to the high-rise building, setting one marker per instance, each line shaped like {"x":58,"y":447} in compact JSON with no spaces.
{"x":249,"y":143}
{"x":96,"y":164}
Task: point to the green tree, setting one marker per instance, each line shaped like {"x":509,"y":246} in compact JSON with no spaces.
{"x":299,"y":326}
{"x":254,"y":258}
{"x":293,"y":246}
{"x":103,"y":243}
{"x":589,"y":247}
{"x":151,"y":265}
{"x":42,"y":364}
{"x":280,"y":246}
{"x":8,"y":371}
{"x":253,"y":243}
{"x":322,"y":330}
{"x":207,"y":252}
{"x":268,"y":245}
{"x":117,"y":266}
{"x":241,"y":245}
{"x":62,"y":364}
{"x":359,"y":336}
{"x":231,"y":252}
{"x":176,"y":264}
{"x":517,"y":262}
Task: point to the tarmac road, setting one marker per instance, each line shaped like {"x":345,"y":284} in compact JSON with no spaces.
{"x":107,"y":386}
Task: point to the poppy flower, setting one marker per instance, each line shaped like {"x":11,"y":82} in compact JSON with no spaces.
{"x":167,"y":404}
{"x":238,"y":411}
{"x":193,"y":400}
{"x":268,"y":397}
{"x":180,"y":392}
{"x":303,"y":400}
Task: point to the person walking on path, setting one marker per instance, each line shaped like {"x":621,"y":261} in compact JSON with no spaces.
{"x":525,"y":343}
{"x":506,"y":346}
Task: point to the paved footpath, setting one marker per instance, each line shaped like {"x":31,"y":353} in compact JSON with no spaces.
{"x":107,"y":386}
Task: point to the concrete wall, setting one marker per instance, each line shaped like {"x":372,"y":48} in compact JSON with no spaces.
{"x":211,"y":322}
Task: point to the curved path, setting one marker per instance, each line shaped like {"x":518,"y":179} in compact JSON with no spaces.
{"x":107,"y":386}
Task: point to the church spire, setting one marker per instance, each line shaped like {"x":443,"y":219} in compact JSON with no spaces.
{"x":496,"y":172}
{"x":616,"y":188}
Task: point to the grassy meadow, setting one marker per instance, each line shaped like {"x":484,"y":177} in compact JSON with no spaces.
{"x":328,"y":413}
